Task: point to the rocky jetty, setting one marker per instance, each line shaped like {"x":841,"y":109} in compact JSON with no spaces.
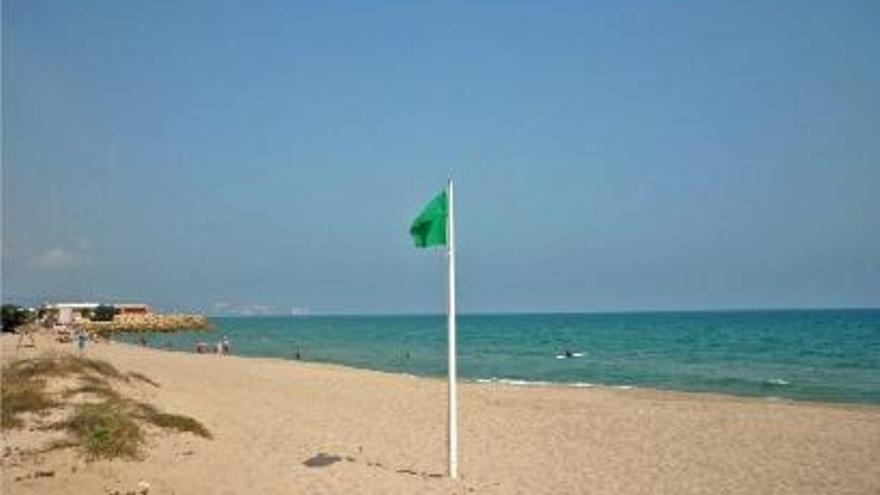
{"x":150,"y":323}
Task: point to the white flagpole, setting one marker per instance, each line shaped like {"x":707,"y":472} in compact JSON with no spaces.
{"x":453,"y":413}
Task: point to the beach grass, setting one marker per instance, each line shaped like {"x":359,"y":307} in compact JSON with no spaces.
{"x":143,"y":378}
{"x":20,"y":395}
{"x":24,"y":383}
{"x":111,"y":429}
{"x":107,"y":426}
{"x":92,"y":386}
{"x":64,"y":365}
{"x":105,"y":430}
{"x":177,"y":422}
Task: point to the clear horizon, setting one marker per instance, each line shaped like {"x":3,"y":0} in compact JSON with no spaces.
{"x":222,"y":157}
{"x":309,"y":313}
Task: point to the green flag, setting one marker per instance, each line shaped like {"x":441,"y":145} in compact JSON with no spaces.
{"x":429,"y":229}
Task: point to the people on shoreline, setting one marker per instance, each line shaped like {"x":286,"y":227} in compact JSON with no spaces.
{"x":220,"y":347}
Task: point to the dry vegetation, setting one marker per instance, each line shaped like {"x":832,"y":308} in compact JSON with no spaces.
{"x":98,"y":419}
{"x":142,"y":377}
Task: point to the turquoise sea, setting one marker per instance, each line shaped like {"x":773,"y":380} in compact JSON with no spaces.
{"x":827,"y":355}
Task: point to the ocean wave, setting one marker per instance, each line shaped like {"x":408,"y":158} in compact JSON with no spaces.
{"x":531,"y":383}
{"x":514,"y":382}
{"x":777,"y":381}
{"x":581,"y":385}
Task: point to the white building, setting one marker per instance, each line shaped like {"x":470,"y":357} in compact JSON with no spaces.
{"x":68,"y":312}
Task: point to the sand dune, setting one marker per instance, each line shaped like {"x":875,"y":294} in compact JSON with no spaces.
{"x":383,"y":433}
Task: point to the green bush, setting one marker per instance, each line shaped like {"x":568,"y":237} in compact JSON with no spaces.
{"x":14,"y":316}
{"x":103,"y":313}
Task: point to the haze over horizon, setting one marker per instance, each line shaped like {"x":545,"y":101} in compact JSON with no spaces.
{"x":226,"y":157}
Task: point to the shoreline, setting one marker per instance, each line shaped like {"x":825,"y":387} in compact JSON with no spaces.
{"x":531,"y":384}
{"x":515,"y":384}
{"x":270,"y":415}
{"x":786,"y":355}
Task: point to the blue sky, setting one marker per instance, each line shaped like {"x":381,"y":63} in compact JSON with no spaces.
{"x":260,"y":156}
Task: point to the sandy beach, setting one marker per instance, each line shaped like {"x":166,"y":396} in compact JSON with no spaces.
{"x":268,"y":417}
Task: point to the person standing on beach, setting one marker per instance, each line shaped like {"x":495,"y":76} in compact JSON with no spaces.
{"x":81,"y":338}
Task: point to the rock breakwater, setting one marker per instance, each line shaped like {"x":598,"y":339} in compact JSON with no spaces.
{"x":150,"y":323}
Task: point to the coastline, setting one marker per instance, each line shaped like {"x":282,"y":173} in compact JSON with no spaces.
{"x":813,"y":356}
{"x":513,"y":383}
{"x":539,"y":384}
{"x":271,"y":414}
